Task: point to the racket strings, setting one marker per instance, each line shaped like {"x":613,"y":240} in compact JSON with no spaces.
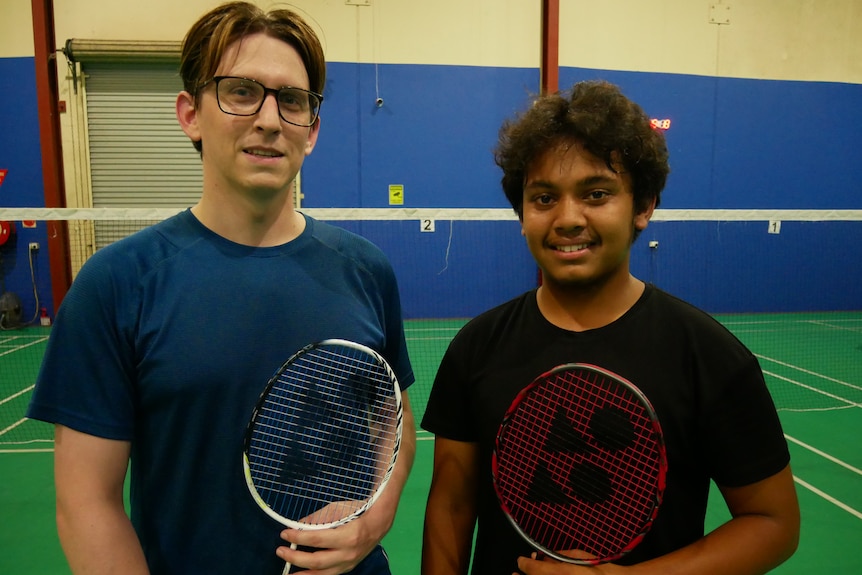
{"x":325,"y":436}
{"x":589,"y":485}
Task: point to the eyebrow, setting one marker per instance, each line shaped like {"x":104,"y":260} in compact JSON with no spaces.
{"x":585,"y":182}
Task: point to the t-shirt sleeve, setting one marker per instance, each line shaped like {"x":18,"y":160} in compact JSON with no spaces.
{"x":84,"y":382}
{"x":449,"y":412}
{"x":742,"y":433}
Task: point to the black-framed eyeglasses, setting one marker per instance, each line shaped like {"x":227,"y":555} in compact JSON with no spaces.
{"x":244,"y":97}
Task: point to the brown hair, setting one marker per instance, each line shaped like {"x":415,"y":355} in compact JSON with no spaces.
{"x":598,"y":115}
{"x":207,"y":40}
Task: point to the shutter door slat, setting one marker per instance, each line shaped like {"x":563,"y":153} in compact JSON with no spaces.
{"x":139,"y":156}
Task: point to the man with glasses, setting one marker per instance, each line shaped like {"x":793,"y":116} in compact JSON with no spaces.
{"x":167,"y":338}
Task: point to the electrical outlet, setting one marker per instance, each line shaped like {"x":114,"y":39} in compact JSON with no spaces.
{"x":34,"y":246}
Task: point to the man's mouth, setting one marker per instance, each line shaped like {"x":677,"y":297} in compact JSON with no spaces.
{"x":263,"y":153}
{"x":571,"y":248}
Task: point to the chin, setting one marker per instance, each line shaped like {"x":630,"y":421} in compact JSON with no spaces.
{"x":573,"y":281}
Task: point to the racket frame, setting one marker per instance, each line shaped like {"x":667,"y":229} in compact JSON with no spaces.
{"x":290,"y":523}
{"x":661,"y":462}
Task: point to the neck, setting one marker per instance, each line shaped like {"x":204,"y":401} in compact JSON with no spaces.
{"x":261,"y":221}
{"x":581,"y":308}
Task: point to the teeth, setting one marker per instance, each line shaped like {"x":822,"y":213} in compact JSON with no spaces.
{"x":262,"y":153}
{"x":572,"y":248}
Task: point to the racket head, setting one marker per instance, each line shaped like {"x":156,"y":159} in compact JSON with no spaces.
{"x":324,"y":436}
{"x":580,"y":464}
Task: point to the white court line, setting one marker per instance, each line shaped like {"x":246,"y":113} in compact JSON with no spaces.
{"x":814,"y":373}
{"x":422,"y":435}
{"x":824,"y":455}
{"x":828,"y":497}
{"x":13,"y":426}
{"x":11,"y":397}
{"x":829,"y":325}
{"x":819,"y":492}
{"x":847,"y":402}
{"x":34,"y":342}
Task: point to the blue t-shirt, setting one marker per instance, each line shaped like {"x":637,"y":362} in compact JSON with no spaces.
{"x":167,"y":338}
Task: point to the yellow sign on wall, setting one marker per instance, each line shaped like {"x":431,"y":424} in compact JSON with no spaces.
{"x":396,"y":195}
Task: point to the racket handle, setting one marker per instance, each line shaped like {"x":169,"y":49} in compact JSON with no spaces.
{"x":287,"y":566}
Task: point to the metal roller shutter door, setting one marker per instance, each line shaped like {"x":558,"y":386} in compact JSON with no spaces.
{"x":139,"y":156}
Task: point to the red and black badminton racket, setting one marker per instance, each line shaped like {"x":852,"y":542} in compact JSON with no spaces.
{"x":580,"y":464}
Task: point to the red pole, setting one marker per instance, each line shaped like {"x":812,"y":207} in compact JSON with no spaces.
{"x":549,"y":71}
{"x":550,"y":66}
{"x":48,"y":106}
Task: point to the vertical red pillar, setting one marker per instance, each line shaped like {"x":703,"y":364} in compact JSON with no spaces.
{"x":550,"y":66}
{"x":48,"y":101}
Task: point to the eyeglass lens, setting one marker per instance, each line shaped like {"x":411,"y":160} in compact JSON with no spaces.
{"x":244,"y":97}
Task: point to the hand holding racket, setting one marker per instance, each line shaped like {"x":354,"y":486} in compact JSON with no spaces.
{"x":324,"y":437}
{"x":580,"y":464}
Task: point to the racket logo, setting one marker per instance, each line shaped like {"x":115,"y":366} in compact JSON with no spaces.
{"x":568,"y":450}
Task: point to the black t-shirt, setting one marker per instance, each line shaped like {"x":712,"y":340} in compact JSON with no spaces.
{"x":707,"y":388}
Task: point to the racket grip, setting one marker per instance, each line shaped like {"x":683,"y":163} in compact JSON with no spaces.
{"x":287,"y":565}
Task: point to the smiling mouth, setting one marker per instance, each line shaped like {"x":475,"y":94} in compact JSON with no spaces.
{"x":572,"y":248}
{"x":263,"y":153}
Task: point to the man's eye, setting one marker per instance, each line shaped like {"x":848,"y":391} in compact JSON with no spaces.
{"x":293,"y":100}
{"x":289,"y":98}
{"x":596,"y":195}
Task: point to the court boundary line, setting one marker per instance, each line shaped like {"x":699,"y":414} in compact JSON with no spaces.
{"x":823,"y":454}
{"x":828,"y":497}
{"x":820,"y":492}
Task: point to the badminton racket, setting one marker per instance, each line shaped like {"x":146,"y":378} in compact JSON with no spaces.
{"x":580,"y":464}
{"x":324,"y":436}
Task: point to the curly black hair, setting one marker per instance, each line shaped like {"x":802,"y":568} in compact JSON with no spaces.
{"x":597,"y":115}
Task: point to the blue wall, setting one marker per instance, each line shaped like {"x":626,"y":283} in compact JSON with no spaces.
{"x":730,"y":267}
{"x":20,"y":154}
{"x":735,"y":144}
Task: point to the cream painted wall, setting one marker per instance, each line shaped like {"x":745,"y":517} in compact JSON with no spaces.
{"x":809,"y":40}
{"x":16,"y":29}
{"x":818,"y":40}
{"x":471,"y":32}
{"x":814,"y":40}
{"x":652,"y":36}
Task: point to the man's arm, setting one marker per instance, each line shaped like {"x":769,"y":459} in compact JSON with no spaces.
{"x":763,"y":533}
{"x":95,"y":531}
{"x":344,"y":547}
{"x":450,"y":515}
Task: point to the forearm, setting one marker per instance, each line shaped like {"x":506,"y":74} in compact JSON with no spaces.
{"x":763,"y":533}
{"x":99,"y":541}
{"x":451,"y":511}
{"x":447,"y":539}
{"x":95,"y":532}
{"x":387,"y":505}
{"x":746,"y":545}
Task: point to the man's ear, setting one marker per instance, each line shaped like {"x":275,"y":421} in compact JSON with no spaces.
{"x":642,"y":219}
{"x":187,"y":115}
{"x":313,"y":132}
